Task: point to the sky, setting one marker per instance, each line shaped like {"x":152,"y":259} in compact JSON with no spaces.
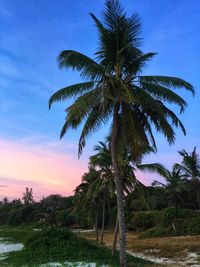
{"x":32,"y":34}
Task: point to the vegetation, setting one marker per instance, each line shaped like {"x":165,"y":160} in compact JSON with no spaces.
{"x":150,"y":210}
{"x":57,"y":245}
{"x":116,"y":90}
{"x":116,"y":94}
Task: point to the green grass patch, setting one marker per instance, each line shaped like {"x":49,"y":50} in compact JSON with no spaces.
{"x":59,"y":245}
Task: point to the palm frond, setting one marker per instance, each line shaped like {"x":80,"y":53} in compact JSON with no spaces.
{"x":154,"y":167}
{"x":79,"y":110}
{"x":138,"y":63}
{"x":168,"y":81}
{"x":112,"y":14}
{"x":161,"y":92}
{"x":174,"y":119}
{"x":70,"y":91}
{"x":134,"y":29}
{"x":138,"y":141}
{"x":183,"y":169}
{"x":153,"y":109}
{"x":77,"y":61}
{"x":96,"y":117}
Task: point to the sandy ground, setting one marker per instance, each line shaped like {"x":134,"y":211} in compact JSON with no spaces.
{"x":171,"y":251}
{"x":68,"y":264}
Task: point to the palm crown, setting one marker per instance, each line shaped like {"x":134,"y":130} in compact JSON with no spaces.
{"x":114,"y":79}
{"x":190,"y":166}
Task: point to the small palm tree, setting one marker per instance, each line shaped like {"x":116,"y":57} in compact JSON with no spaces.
{"x":190,"y":167}
{"x":105,"y":186}
{"x":87,"y":200}
{"x":175,"y":182}
{"x":116,"y":90}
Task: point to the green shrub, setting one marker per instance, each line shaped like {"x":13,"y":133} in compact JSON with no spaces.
{"x":144,"y":220}
{"x":15,"y":217}
{"x":193,"y":226}
{"x":170,"y":215}
{"x":64,"y":219}
{"x":174,"y":222}
{"x":58,"y":244}
{"x":155,"y":232}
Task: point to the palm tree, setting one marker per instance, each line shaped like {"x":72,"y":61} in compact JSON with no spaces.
{"x":190,"y":167}
{"x":86,"y":198}
{"x":175,"y":181}
{"x":116,"y":90}
{"x":105,"y":184}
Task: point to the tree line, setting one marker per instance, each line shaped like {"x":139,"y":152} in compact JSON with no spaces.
{"x":94,"y":203}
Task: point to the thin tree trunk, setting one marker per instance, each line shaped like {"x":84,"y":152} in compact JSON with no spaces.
{"x":198,"y":199}
{"x":96,"y":227}
{"x":115,"y":236}
{"x":119,"y":190}
{"x":176,"y":212}
{"x":103,"y":216}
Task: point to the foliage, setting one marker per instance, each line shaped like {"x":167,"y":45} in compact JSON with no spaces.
{"x":28,"y":196}
{"x":193,"y":226}
{"x":174,"y":222}
{"x":61,"y":245}
{"x":144,"y":220}
{"x":155,"y":232}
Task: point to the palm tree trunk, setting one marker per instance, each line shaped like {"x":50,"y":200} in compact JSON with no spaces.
{"x":96,"y":227}
{"x":198,"y":198}
{"x":119,"y":190}
{"x":103,"y":216}
{"x":115,"y":235}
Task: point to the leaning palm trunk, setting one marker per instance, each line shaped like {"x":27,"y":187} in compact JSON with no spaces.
{"x":103,"y":217}
{"x":119,"y":190}
{"x":115,"y":235}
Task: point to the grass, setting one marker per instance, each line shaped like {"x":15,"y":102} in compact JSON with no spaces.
{"x":58,"y":245}
{"x":169,"y":247}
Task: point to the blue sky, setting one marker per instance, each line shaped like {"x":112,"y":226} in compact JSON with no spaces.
{"x":34,"y":32}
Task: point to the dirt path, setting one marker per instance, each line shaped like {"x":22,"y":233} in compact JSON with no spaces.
{"x":171,"y":251}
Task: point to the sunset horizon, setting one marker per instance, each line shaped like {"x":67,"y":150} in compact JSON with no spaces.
{"x":31,"y":153}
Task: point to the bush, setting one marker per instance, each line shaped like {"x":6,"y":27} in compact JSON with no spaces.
{"x":15,"y":217}
{"x":144,"y":220}
{"x":155,"y":232}
{"x":64,"y":219}
{"x":175,"y":222}
{"x":58,"y":244}
{"x":171,"y":215}
{"x":193,"y":227}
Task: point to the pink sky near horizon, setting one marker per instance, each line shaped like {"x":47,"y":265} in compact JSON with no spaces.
{"x":47,"y":168}
{"x":39,"y":166}
{"x":31,"y":40}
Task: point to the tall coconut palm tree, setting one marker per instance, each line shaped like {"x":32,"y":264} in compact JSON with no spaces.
{"x":116,"y":90}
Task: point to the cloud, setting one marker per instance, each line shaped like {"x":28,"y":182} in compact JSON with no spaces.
{"x":44,"y":167}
